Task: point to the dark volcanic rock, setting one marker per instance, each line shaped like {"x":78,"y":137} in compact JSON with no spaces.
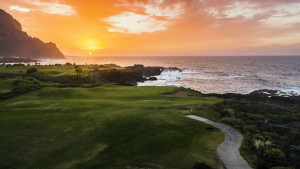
{"x":172,"y":69}
{"x":16,"y":60}
{"x":152,"y":78}
{"x":120,"y":77}
{"x":145,"y":71}
{"x":131,"y":75}
{"x":16,"y":43}
{"x":263,"y":95}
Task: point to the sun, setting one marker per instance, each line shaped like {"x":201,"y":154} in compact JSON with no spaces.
{"x":90,"y":53}
{"x":92,"y":44}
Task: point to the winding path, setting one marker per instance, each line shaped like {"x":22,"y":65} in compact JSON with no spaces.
{"x":228,"y":151}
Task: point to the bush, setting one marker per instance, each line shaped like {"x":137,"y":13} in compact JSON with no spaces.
{"x":262,"y":166}
{"x":202,"y":165}
{"x":18,"y":82}
{"x":25,"y":88}
{"x":68,"y":64}
{"x":224,"y":113}
{"x":31,"y":70}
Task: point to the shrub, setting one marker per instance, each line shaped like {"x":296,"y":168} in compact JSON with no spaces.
{"x":31,"y":70}
{"x":18,"y":82}
{"x":202,"y":165}
{"x":224,"y":113}
{"x":25,"y":88}
{"x":68,"y":64}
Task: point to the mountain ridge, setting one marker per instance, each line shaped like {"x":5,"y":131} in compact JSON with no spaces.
{"x":14,"y":42}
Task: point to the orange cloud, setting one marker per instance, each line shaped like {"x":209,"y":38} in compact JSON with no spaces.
{"x":129,"y":22}
{"x":46,"y":7}
{"x":154,"y":17}
{"x":18,"y":8}
{"x":162,"y":27}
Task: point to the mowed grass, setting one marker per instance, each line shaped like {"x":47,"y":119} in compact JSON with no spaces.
{"x":6,"y":85}
{"x":109,"y":127}
{"x":51,"y":70}
{"x":48,"y":70}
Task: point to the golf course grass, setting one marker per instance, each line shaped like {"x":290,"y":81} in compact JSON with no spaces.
{"x":6,"y":85}
{"x":107,"y":127}
{"x":51,"y":70}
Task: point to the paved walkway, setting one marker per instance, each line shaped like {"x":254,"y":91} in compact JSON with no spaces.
{"x":228,"y":151}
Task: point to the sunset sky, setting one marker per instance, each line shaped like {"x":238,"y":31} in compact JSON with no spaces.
{"x":162,"y":27}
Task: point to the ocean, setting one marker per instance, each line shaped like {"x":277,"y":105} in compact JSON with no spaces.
{"x":226,"y":74}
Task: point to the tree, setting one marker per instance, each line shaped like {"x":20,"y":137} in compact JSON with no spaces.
{"x":78,"y":70}
{"x":68,"y":64}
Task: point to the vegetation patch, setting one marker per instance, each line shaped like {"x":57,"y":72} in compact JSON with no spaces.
{"x":55,"y":114}
{"x":183,"y":94}
{"x":108,"y":127}
{"x":269,"y":126}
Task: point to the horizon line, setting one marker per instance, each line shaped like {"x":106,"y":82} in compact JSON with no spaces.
{"x":182,"y":56}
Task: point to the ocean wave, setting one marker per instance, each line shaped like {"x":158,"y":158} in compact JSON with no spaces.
{"x":221,"y":76}
{"x":174,"y":84}
{"x":236,"y":76}
{"x":187,"y":71}
{"x":295,"y":90}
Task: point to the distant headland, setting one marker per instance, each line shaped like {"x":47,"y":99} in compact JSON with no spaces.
{"x":15,"y":43}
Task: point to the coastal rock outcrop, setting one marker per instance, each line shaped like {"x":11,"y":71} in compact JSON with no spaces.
{"x":14,"y":42}
{"x":130,"y":75}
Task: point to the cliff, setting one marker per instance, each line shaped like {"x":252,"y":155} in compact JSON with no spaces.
{"x":16,"y":43}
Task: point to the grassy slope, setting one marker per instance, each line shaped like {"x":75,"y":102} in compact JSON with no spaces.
{"x":6,"y":85}
{"x":50,"y":70}
{"x":105,"y":127}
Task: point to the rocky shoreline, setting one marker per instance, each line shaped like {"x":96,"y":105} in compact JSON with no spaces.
{"x":129,"y":75}
{"x":13,"y":60}
{"x":259,"y":95}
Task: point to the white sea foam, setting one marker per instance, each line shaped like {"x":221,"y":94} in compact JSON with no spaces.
{"x":190,"y":71}
{"x":291,"y":90}
{"x":214,"y":74}
{"x":174,"y":78}
{"x":193,"y":79}
{"x":234,"y":77}
{"x":267,"y":93}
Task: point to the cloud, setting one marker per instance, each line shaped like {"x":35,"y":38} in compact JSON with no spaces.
{"x":129,"y":22}
{"x":54,"y":8}
{"x":269,"y":13}
{"x":18,"y":8}
{"x":45,"y":7}
{"x":213,"y":11}
{"x":244,"y":9}
{"x":284,"y":15}
{"x":165,"y":24}
{"x":171,"y":11}
{"x":153,"y":16}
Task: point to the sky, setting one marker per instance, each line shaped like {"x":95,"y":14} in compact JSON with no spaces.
{"x":162,"y":27}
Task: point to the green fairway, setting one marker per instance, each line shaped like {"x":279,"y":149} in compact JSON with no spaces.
{"x":51,"y":70}
{"x":6,"y":85}
{"x":109,"y":127}
{"x":48,"y":70}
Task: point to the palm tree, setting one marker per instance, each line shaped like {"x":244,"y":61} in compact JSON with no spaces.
{"x":78,"y":70}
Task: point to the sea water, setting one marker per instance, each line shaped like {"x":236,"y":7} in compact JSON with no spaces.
{"x":226,"y":74}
